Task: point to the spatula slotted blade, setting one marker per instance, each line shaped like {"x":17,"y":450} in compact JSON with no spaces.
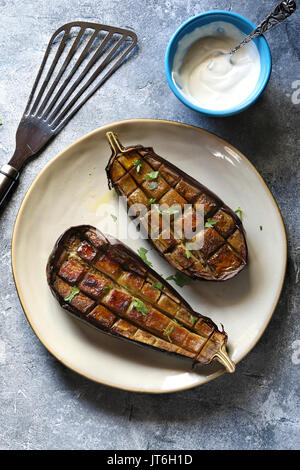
{"x":79,"y":58}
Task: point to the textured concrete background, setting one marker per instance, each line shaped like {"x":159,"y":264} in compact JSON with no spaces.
{"x":46,"y":406}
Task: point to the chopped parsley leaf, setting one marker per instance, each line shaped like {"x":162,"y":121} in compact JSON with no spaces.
{"x":138,"y":165}
{"x":260,"y":227}
{"x":192,"y":319}
{"x":171,"y":210}
{"x":188,"y":254}
{"x":239,"y":212}
{"x":139,"y":306}
{"x":106,"y":289}
{"x":179,"y":278}
{"x":168,"y":332}
{"x":210,"y":223}
{"x":72,"y":294}
{"x":142,"y":252}
{"x":114,"y":217}
{"x":151,"y":200}
{"x":152,"y":175}
{"x":157,"y":285}
{"x":156,"y":207}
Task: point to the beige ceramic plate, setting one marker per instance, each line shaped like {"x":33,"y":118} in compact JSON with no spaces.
{"x":72,"y":189}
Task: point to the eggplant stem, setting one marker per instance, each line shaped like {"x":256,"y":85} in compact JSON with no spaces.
{"x":114,"y":142}
{"x":224,"y":359}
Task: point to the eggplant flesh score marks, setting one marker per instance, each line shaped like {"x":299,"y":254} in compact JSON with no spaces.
{"x":107,"y":285}
{"x":224,"y":249}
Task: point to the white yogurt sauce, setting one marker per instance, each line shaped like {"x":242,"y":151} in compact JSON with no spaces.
{"x":211,"y":80}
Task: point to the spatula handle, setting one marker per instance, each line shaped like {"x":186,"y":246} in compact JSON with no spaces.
{"x":8,"y":181}
{"x":282,"y":11}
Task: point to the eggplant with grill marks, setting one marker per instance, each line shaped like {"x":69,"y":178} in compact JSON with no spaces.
{"x":103,"y":282}
{"x":147,"y":179}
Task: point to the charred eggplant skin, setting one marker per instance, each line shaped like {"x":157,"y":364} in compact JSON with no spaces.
{"x":101,"y":281}
{"x":224,"y":253}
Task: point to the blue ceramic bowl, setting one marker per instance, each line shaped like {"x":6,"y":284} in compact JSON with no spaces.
{"x":244,"y":25}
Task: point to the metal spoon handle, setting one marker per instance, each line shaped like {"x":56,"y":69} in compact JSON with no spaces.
{"x":280,"y":13}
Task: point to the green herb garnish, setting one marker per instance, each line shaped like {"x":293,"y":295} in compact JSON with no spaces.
{"x":153,"y":185}
{"x":114,"y":217}
{"x":152,"y":175}
{"x":0,"y":122}
{"x":151,"y":200}
{"x":260,"y":227}
{"x":72,"y":294}
{"x":156,"y":207}
{"x":210,"y":223}
{"x":179,"y":278}
{"x":192,"y":319}
{"x":107,"y":288}
{"x":188,"y":254}
{"x":138,"y":165}
{"x":142,"y":252}
{"x":171,"y":210}
{"x":139,"y":306}
{"x":157,"y":285}
{"x":239,"y":212}
{"x":168,"y":332}
{"x":176,"y":321}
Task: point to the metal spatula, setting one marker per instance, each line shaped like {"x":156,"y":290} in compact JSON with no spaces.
{"x":79,"y":58}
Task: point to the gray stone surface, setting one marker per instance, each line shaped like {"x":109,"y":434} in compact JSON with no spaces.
{"x":46,"y":406}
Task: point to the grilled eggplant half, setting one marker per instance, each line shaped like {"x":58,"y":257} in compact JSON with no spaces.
{"x":149,"y":180}
{"x":106,"y":284}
